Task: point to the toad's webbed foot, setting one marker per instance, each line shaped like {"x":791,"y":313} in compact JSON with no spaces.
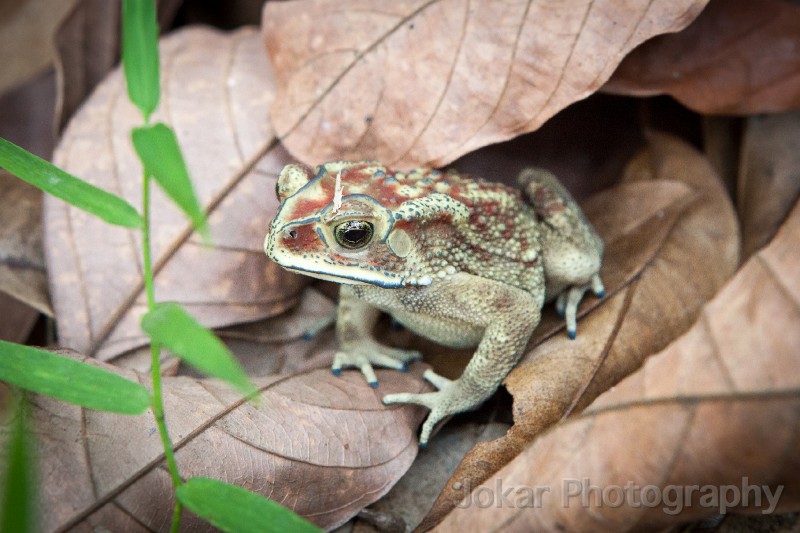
{"x":364,"y":354}
{"x":451,"y":398}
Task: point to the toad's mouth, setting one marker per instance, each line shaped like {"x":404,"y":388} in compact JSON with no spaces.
{"x":360,"y":277}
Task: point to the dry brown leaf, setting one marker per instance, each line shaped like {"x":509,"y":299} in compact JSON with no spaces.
{"x":663,"y":260}
{"x":321,"y":445}
{"x":737,"y":57}
{"x":87,"y":47}
{"x":26,"y":30}
{"x":26,"y":115}
{"x":721,"y":142}
{"x":423,"y":82}
{"x":22,"y":271}
{"x":718,"y":406}
{"x":769,"y":176}
{"x":18,"y":321}
{"x":411,"y":497}
{"x":275,"y":345}
{"x":216,"y":90}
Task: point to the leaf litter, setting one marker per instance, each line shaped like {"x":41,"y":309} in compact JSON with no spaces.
{"x":661,"y":277}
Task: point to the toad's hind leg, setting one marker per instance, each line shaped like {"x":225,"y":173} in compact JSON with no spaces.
{"x":571,"y":249}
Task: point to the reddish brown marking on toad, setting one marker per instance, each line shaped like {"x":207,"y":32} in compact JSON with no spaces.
{"x":304,"y":239}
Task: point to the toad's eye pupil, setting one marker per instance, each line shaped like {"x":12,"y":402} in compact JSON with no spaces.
{"x":353,"y":234}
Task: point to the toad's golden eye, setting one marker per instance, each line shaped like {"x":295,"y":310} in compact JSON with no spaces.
{"x":353,"y":234}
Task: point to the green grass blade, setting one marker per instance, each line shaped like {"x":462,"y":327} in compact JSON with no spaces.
{"x":237,"y":510}
{"x":54,"y":181}
{"x":170,"y":326}
{"x":140,"y":54}
{"x":158,"y":149}
{"x":19,"y":491}
{"x":71,"y":381}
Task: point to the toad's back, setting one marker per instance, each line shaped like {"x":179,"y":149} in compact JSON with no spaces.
{"x":497,"y":239}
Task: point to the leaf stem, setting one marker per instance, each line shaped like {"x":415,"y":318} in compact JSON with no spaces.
{"x":146,"y":252}
{"x":155,"y":354}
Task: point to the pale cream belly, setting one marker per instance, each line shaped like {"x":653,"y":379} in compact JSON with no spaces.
{"x":452,"y":333}
{"x":410,"y":311}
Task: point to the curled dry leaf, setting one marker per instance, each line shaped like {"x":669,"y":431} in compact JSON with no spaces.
{"x":737,"y":57}
{"x":22,"y":272}
{"x":425,"y":81}
{"x":769,"y":176}
{"x":719,"y":407}
{"x":24,"y":28}
{"x":411,"y":497}
{"x":26,"y":115}
{"x":721,"y":140}
{"x":216,"y":90}
{"x":321,"y":445}
{"x":87,"y":47}
{"x":671,"y":242}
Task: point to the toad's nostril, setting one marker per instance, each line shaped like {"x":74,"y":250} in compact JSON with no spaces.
{"x":292,"y":234}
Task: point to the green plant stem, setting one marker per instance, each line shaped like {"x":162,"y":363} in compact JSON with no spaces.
{"x":155,"y":354}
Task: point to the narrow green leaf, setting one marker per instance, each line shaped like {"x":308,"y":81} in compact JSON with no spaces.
{"x":173,"y":328}
{"x":237,"y":510}
{"x":158,"y":149}
{"x":140,"y":53}
{"x":71,"y":381}
{"x":53,"y":180}
{"x":19,"y":491}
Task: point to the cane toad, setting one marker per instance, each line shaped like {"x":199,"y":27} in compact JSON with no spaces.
{"x":459,"y":260}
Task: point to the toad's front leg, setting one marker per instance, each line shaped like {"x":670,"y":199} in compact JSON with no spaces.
{"x":354,"y":322}
{"x":508,"y":316}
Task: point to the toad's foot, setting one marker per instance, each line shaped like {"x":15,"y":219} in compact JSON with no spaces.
{"x":451,"y":398}
{"x":567,"y":302}
{"x":366,"y":353}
